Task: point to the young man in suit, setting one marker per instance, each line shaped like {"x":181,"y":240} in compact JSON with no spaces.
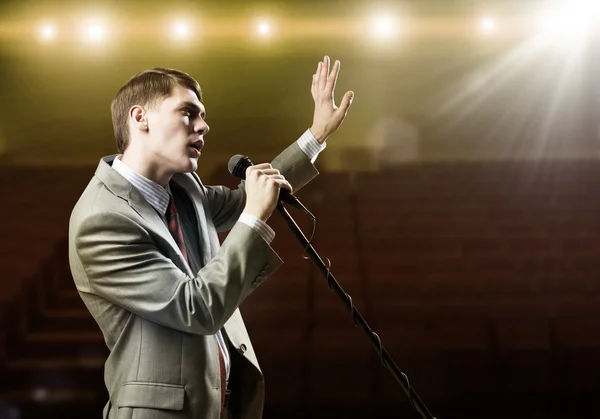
{"x":146,"y":259}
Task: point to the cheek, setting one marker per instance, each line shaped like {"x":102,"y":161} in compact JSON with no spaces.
{"x":176,"y":130}
{"x":169,"y":135}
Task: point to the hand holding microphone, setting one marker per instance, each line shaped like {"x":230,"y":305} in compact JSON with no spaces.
{"x":266,"y":186}
{"x":263,"y":184}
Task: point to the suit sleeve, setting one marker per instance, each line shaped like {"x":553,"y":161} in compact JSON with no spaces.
{"x":226,"y":205}
{"x":123,"y":265}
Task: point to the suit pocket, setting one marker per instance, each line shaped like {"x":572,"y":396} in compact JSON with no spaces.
{"x":135,"y":394}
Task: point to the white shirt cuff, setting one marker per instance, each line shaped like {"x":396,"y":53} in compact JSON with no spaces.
{"x":259,"y":225}
{"x":311,"y":147}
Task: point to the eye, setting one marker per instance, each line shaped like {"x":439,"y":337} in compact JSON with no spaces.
{"x":186,"y":112}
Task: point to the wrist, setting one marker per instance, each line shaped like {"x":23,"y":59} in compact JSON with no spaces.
{"x":319,"y":134}
{"x":261,"y":215}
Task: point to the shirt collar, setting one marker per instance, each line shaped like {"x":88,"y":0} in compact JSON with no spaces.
{"x":156,"y":195}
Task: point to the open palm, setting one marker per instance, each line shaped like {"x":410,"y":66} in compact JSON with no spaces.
{"x":327,"y":117}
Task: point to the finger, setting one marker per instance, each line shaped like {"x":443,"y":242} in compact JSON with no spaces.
{"x":285,"y":185}
{"x":279,"y":182}
{"x":318,"y":76}
{"x":315,"y":79}
{"x":346,"y":102}
{"x":323,"y":75}
{"x":331,"y":81}
{"x":326,"y":70}
{"x":270,"y":172}
{"x":255,"y":170}
{"x":261,"y":166}
{"x":276,"y":178}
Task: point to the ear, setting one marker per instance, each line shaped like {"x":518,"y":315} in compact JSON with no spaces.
{"x":137,"y":115}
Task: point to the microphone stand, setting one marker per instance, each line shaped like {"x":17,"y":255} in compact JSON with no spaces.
{"x":359,"y":322}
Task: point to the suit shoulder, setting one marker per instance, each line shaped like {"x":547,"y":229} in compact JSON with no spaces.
{"x":96,"y":198}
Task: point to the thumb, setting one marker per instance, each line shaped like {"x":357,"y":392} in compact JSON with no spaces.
{"x":347,"y":101}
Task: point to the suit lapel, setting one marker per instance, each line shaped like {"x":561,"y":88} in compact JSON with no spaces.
{"x":148,"y":213}
{"x":125,"y":190}
{"x":208,"y":247}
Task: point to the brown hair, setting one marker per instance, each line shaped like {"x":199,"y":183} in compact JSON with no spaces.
{"x":145,"y":89}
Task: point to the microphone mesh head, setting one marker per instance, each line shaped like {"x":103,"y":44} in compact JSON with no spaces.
{"x":238,"y":164}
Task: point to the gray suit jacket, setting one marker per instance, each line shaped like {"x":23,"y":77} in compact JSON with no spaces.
{"x":158,"y":318}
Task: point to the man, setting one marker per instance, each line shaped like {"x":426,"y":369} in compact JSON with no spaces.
{"x":146,"y":260}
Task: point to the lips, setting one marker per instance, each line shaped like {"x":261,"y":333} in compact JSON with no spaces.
{"x":197,"y":145}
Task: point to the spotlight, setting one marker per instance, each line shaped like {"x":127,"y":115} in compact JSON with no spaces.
{"x":569,"y":20}
{"x":95,"y":32}
{"x":264,"y":28}
{"x":47,"y":32}
{"x":487,"y":25}
{"x":180,"y":30}
{"x":383,"y":27}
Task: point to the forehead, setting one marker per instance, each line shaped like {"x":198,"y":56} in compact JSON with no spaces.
{"x":180,"y":96}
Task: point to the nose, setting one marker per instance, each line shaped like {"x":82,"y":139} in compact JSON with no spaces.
{"x":201,"y":127}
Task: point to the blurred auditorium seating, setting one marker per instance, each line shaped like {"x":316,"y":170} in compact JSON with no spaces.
{"x":481,"y":278}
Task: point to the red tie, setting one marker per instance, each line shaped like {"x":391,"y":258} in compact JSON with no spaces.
{"x":175,"y":229}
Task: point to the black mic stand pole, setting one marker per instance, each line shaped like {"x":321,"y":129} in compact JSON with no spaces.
{"x":359,"y":322}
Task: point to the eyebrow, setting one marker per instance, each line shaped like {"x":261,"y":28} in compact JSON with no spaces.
{"x":193,"y":106}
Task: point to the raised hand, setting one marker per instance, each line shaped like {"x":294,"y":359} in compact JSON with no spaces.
{"x":327,"y":117}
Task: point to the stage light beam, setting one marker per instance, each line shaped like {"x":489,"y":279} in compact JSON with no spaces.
{"x":569,"y":21}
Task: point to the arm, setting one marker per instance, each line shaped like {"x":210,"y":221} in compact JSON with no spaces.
{"x":124,"y":266}
{"x":294,"y":163}
{"x":226,"y":205}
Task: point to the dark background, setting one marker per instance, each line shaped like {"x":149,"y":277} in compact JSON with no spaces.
{"x":457,"y":203}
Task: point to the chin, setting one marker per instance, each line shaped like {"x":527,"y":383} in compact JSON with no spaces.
{"x":191,"y":166}
{"x":187,"y":166}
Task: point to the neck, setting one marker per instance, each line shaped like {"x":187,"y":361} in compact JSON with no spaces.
{"x":141,"y":164}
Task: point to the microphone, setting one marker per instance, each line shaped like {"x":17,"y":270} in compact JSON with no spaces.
{"x":237,"y":167}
